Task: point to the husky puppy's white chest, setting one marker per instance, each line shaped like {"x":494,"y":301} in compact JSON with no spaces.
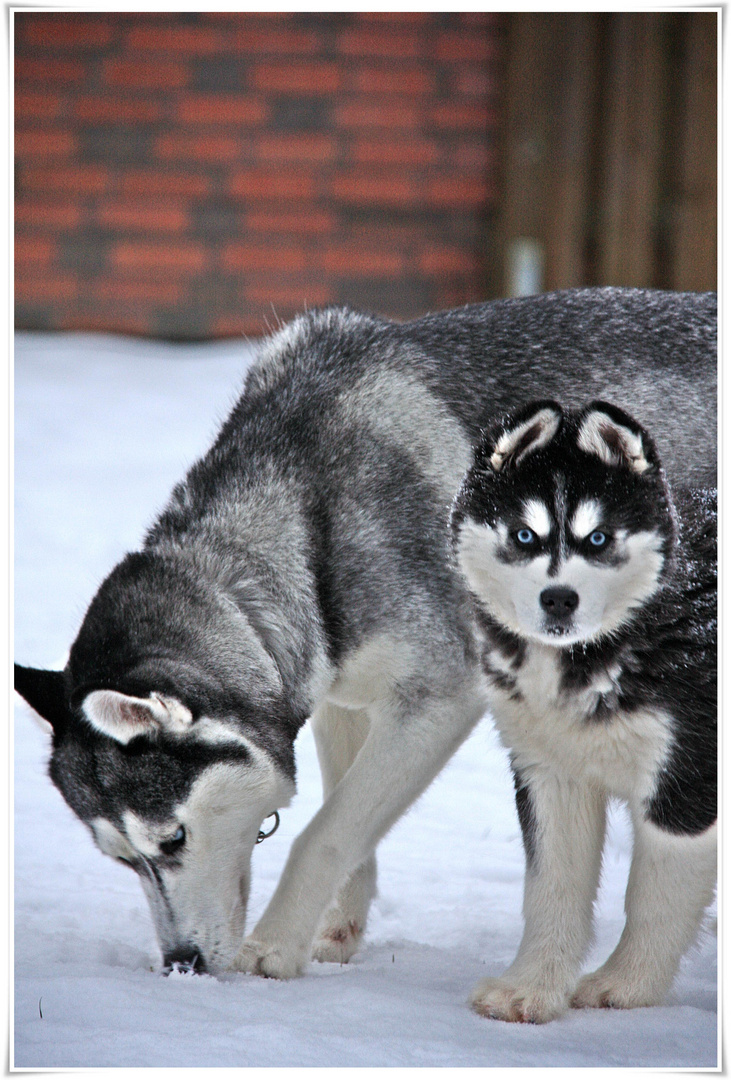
{"x":581,"y":731}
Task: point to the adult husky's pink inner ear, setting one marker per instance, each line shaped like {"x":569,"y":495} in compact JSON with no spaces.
{"x":123,"y":717}
{"x":527,"y":437}
{"x":612,"y":442}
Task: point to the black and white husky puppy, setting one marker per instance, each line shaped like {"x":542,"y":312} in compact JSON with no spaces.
{"x":596,"y":596}
{"x":303,"y":569}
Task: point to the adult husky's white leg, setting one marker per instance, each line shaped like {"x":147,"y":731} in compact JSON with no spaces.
{"x":411,"y":737}
{"x":564,"y":832}
{"x":671,"y":883}
{"x":339,"y":734}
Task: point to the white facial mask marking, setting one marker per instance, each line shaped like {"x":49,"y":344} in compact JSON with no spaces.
{"x":587,"y":517}
{"x":537,"y":517}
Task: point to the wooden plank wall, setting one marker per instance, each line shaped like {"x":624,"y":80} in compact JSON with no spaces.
{"x":609,"y":155}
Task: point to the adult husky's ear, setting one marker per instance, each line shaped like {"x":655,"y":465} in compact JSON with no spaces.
{"x":45,"y":692}
{"x":615,"y":437}
{"x":123,"y":717}
{"x":523,"y":433}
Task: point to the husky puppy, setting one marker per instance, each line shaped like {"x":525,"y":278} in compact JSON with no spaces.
{"x":303,"y":569}
{"x":597,"y":602}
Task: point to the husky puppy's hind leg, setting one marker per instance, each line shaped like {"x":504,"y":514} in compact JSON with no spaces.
{"x":339,"y":734}
{"x":671,"y":883}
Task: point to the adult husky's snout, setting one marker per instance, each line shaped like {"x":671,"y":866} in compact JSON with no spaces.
{"x":185,"y":958}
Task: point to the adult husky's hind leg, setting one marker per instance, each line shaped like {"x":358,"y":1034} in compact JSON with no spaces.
{"x":339,"y":734}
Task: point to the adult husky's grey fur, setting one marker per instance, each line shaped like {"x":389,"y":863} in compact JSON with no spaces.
{"x":303,"y":569}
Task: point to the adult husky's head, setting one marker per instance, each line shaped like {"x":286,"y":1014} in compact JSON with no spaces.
{"x":564,"y":524}
{"x":172,"y":743}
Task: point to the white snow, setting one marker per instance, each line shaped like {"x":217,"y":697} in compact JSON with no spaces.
{"x":103,"y":428}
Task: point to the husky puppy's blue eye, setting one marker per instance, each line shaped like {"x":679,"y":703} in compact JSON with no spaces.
{"x":525,"y":536}
{"x":598,"y":539}
{"x":169,"y":847}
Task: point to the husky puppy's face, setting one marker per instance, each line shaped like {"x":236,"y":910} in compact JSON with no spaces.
{"x":564,"y":524}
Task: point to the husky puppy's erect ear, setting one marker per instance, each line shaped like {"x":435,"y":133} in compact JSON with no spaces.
{"x":45,"y":692}
{"x":614,"y":437}
{"x":524,"y":433}
{"x":123,"y":717}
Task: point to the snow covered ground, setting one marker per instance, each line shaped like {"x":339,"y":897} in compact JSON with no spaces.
{"x":104,"y":427}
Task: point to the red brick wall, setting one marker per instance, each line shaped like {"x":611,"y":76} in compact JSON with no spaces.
{"x":196,"y":175}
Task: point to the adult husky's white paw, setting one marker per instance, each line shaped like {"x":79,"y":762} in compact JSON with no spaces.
{"x":338,"y":939}
{"x":268,"y":960}
{"x":341,"y":930}
{"x":610,"y":990}
{"x":522,"y":1003}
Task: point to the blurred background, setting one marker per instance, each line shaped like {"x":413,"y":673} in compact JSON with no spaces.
{"x":194,"y":176}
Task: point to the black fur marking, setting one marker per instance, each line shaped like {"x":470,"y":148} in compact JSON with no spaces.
{"x":526,"y":815}
{"x":45,"y":691}
{"x":500,"y":638}
{"x":99,"y":777}
{"x":667,"y":661}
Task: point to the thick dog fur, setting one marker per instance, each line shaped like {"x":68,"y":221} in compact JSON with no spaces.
{"x":597,"y":601}
{"x":303,"y":569}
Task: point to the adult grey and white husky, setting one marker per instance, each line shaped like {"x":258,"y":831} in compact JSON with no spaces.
{"x":303,"y":569}
{"x":597,"y":601}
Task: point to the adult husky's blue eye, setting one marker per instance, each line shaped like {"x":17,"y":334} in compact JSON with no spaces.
{"x":598,"y":539}
{"x":169,"y":847}
{"x":525,"y":536}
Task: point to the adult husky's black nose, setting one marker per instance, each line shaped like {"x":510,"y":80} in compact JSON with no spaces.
{"x":559,"y":602}
{"x":184,"y":958}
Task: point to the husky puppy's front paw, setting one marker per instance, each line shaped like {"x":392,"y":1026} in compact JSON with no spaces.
{"x":610,"y":990}
{"x":338,"y":939}
{"x":523,"y":1003}
{"x":268,"y":960}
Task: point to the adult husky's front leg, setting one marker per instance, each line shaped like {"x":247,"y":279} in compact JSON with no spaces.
{"x":671,"y":883}
{"x":406,"y":746}
{"x":339,"y":735}
{"x":563,"y":832}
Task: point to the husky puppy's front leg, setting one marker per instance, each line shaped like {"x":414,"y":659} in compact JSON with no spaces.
{"x":339,"y":734}
{"x":671,"y":882}
{"x":406,"y":746}
{"x":563,"y":832}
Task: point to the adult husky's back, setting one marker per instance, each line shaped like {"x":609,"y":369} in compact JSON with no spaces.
{"x":654,"y":352}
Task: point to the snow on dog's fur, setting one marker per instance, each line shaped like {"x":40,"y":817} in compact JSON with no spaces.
{"x":303,"y":569}
{"x":597,"y":605}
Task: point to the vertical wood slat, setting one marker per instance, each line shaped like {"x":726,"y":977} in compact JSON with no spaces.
{"x":526,"y":137}
{"x":632,"y":164}
{"x":569,"y":174}
{"x":695,"y":234}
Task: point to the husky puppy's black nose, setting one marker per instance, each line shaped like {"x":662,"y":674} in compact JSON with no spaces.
{"x":184,"y":958}
{"x":559,"y":602}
